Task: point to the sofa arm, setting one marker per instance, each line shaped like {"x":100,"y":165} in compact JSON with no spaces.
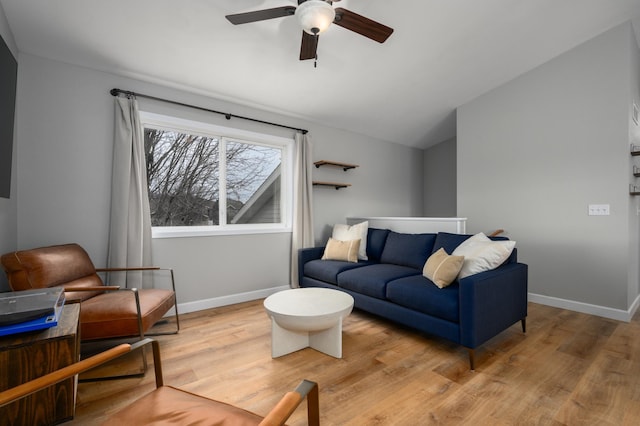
{"x":306,"y":255}
{"x":492,"y":301}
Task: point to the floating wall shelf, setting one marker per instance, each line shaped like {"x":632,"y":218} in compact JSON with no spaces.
{"x":343,"y":166}
{"x":336,"y":185}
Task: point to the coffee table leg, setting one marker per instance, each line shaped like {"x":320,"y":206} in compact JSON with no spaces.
{"x":285,"y":341}
{"x":328,"y":341}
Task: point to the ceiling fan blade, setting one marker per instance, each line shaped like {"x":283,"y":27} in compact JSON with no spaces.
{"x":261,"y":15}
{"x":361,"y":25}
{"x":309,"y":46}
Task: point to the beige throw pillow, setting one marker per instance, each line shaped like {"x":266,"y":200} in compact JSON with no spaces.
{"x":441,"y":268}
{"x":341,"y":250}
{"x":359,"y":231}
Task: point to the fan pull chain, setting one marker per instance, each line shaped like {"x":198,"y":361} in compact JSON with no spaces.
{"x":316,"y":35}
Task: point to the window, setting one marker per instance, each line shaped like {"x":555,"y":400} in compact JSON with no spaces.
{"x":205,"y":179}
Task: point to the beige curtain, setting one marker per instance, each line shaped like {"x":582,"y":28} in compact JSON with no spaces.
{"x":302,"y":233}
{"x":130,"y":219}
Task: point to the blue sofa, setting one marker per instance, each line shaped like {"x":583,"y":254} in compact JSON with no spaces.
{"x":390,"y":284}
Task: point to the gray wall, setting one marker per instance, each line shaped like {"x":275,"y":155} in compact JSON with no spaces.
{"x":8,"y":206}
{"x":65,"y":137}
{"x":387,"y":183}
{"x":440,"y":198}
{"x":535,"y":152}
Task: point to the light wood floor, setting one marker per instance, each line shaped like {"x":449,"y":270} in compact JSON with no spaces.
{"x":568,"y":369}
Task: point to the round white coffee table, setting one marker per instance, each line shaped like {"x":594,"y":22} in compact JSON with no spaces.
{"x":307,"y":317}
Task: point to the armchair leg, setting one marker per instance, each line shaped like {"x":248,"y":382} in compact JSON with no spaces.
{"x":143,"y":349}
{"x":472,"y":359}
{"x":167,"y":333}
{"x":523,"y":321}
{"x":313,"y":406}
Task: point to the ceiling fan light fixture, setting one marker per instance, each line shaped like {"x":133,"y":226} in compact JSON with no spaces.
{"x":315,"y":16}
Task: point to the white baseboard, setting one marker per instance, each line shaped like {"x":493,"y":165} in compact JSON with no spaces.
{"x":215,"y":302}
{"x":601,"y":311}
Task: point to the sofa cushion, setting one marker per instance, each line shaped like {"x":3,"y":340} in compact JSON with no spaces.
{"x":441,"y":268}
{"x":358,"y":231}
{"x":375,"y":243}
{"x":328,"y":270}
{"x":410,"y":250}
{"x":422,"y":295}
{"x":372,"y":280}
{"x":481,"y":254}
{"x":341,"y":250}
{"x":449,"y":242}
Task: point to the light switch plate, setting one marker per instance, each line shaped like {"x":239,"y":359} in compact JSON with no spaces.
{"x":599,"y":210}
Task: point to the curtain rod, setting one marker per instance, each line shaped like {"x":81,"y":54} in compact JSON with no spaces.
{"x":228,"y":116}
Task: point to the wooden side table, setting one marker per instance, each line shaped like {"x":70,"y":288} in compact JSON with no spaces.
{"x":26,"y":356}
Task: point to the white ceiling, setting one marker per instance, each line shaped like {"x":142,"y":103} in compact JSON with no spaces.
{"x":442,"y":54}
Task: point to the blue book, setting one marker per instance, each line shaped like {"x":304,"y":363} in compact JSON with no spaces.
{"x":30,"y":310}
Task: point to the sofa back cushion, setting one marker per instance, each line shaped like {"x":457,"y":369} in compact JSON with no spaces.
{"x":448,"y":241}
{"x":376,"y":239}
{"x":408,"y":249}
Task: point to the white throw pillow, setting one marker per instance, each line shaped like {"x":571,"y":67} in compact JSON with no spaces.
{"x":354,"y":232}
{"x":482,"y":254}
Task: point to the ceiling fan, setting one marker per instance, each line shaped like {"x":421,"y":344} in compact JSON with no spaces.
{"x":315,"y":16}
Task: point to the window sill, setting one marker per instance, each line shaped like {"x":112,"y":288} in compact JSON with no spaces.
{"x":205,"y":231}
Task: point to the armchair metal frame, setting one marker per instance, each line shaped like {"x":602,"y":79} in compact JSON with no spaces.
{"x":135,"y":292}
{"x":142,"y":335}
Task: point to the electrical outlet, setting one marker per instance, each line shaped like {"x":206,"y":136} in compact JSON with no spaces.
{"x":599,"y":210}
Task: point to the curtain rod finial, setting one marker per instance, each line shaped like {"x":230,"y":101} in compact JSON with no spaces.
{"x":114,"y":92}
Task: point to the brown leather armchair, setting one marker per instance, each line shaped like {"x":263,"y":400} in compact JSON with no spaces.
{"x":106,"y":311}
{"x":169,"y":405}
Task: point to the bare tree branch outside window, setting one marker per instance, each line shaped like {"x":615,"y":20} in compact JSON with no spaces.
{"x":183,"y":173}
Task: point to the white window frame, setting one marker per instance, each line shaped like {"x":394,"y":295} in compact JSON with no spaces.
{"x":224,"y":134}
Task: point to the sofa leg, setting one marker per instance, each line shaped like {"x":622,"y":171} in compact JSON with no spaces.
{"x":472,"y":359}
{"x":523,"y":321}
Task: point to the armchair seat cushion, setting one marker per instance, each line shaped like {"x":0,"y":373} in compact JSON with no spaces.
{"x":170,"y":406}
{"x":114,"y":314}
